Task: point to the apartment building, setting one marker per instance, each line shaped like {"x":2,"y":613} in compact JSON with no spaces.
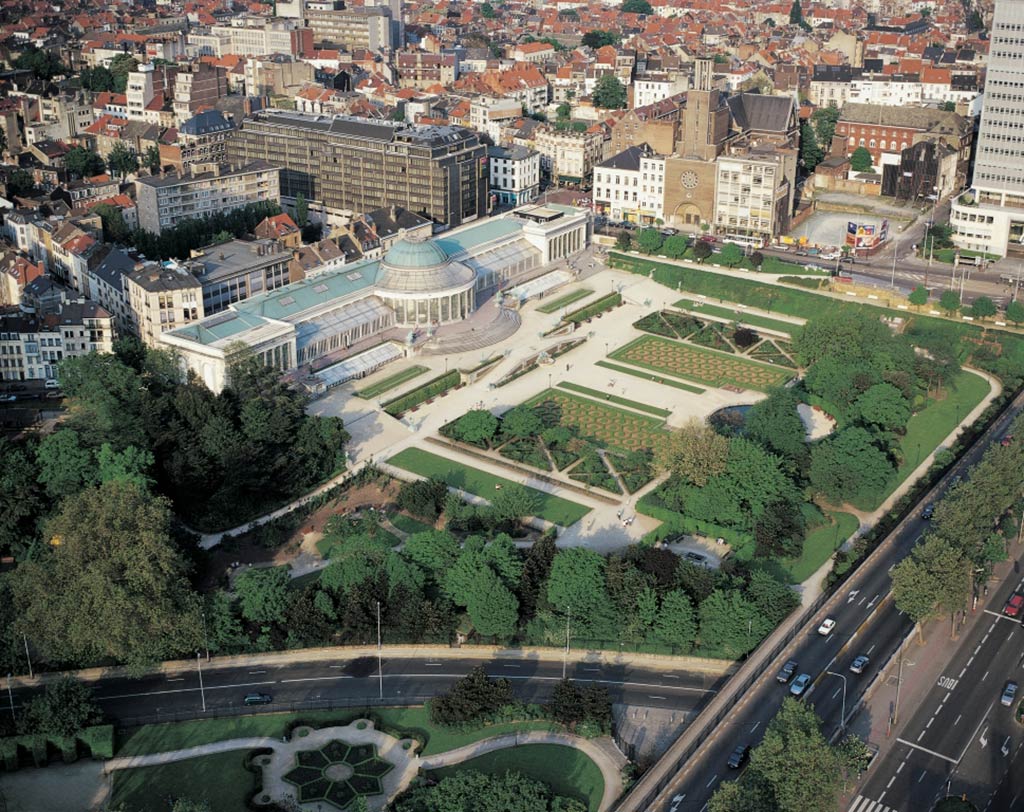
{"x":630,"y":186}
{"x":515,"y":175}
{"x":163,"y":202}
{"x":162,"y":297}
{"x":352,"y":28}
{"x":648,"y":88}
{"x":32,"y":346}
{"x":752,"y":193}
{"x":238,"y":270}
{"x":203,"y":139}
{"x":568,"y":158}
{"x":253,"y":36}
{"x":344,"y":164}
{"x":200,"y":86}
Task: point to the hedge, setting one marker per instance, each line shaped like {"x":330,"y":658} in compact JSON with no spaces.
{"x":99,"y":739}
{"x":432,"y":388}
{"x":600,"y":306}
{"x":649,"y":505}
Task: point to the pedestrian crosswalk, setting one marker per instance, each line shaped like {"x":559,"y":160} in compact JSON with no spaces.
{"x":862,"y":804}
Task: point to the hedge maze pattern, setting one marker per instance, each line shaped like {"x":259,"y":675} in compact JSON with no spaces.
{"x":694,"y":363}
{"x":310,"y":775}
{"x":610,"y":426}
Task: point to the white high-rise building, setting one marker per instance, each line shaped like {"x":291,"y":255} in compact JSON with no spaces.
{"x":990,"y":217}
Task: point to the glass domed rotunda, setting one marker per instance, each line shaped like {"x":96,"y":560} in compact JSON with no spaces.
{"x":423,"y":285}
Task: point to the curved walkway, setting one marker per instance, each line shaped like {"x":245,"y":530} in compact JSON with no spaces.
{"x":407,"y":764}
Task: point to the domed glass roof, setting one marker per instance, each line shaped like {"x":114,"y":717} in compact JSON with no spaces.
{"x":415,"y":254}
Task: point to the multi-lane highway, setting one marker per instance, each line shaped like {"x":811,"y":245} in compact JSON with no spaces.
{"x":405,"y":681}
{"x":867,"y":623}
{"x":960,"y":740}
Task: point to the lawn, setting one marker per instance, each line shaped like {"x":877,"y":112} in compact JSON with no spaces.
{"x":927,"y":428}
{"x":636,"y":373}
{"x":456,"y":475}
{"x":668,"y":357}
{"x":738,"y":315}
{"x":221,"y":780}
{"x":609,"y":425}
{"x":632,"y":404}
{"x":178,"y":735}
{"x":408,"y":524}
{"x":564,"y":301}
{"x":568,"y":771}
{"x":391,"y":382}
{"x":819,"y":546}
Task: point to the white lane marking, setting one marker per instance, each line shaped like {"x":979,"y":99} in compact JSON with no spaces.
{"x":868,"y":652}
{"x":977,"y":650}
{"x":755,"y":727}
{"x":958,"y":718}
{"x":713,"y":779}
{"x":433,"y":665}
{"x":900,"y":768}
{"x":962,"y":672}
{"x":838,"y":691}
{"x":175,"y":679}
{"x":891,"y":780}
{"x":923,"y":774}
{"x":929,"y":752}
{"x":945,"y":699}
{"x":920,"y":735}
{"x":983,"y":676}
{"x":262,"y":671}
{"x":671,"y":676}
{"x":651,"y":696}
{"x":184,"y":690}
{"x":511,"y":665}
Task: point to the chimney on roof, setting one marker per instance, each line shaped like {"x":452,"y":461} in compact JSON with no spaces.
{"x":139,"y":266}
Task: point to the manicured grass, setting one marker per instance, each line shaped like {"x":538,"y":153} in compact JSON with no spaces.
{"x":564,"y":301}
{"x":636,"y":373}
{"x":775,"y":265}
{"x":632,"y":404}
{"x":408,"y":524}
{"x":178,"y":735}
{"x":391,"y":382}
{"x":569,"y":772}
{"x":741,"y":316}
{"x":456,"y":475}
{"x":927,"y":428}
{"x":221,"y":780}
{"x":687,"y":361}
{"x":611,"y":426}
{"x":819,"y":545}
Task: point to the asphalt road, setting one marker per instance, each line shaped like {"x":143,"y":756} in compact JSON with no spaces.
{"x":866,"y":623}
{"x":960,"y":739}
{"x":405,"y":681}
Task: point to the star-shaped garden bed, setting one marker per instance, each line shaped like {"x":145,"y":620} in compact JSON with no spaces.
{"x":338,"y":773}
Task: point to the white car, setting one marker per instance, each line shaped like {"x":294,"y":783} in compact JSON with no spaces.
{"x":826,"y":627}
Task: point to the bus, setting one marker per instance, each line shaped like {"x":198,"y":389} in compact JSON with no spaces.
{"x":744,"y":241}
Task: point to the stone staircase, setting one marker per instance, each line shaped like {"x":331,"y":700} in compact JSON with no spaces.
{"x":467,"y":337}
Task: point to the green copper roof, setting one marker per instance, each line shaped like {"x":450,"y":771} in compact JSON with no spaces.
{"x":412,"y":255}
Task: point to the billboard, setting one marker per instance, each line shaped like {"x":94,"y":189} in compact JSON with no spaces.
{"x":866,"y":235}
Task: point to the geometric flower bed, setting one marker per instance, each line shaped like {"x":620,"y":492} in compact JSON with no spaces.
{"x":611,"y":426}
{"x":338,"y":773}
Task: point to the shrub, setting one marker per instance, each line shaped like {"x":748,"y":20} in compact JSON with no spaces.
{"x":424,"y":498}
{"x":591,"y":310}
{"x":432,"y":388}
{"x":100,"y":741}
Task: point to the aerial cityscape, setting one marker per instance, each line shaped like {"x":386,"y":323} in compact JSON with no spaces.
{"x":511,"y":406}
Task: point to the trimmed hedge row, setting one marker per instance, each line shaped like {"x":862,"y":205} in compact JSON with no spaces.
{"x":98,"y":740}
{"x":432,"y":388}
{"x":602,"y":305}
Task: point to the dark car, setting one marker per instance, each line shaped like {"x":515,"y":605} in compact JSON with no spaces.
{"x":696,"y":558}
{"x":928,"y":512}
{"x":739,"y":756}
{"x":787,"y":672}
{"x":258,"y":699}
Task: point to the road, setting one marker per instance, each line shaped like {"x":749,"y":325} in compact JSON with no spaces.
{"x":960,"y":739}
{"x":867,"y":623}
{"x":405,"y":681}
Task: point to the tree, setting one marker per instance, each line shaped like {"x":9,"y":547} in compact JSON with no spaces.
{"x":918,"y":296}
{"x":849,"y":467}
{"x":775,"y":423}
{"x":811,"y":152}
{"x":598,"y":38}
{"x":675,"y":246}
{"x":513,"y":503}
{"x":637,"y":7}
{"x":487,"y":11}
{"x":731,"y":254}
{"x":43,"y":64}
{"x":884,"y":406}
{"x":20,"y":501}
{"x":122,"y":159}
{"x":521,"y":422}
{"x":112,"y":585}
{"x":796,"y":14}
{"x":472,"y":791}
{"x":934,"y":579}
{"x":757,"y":259}
{"x":695,"y":452}
{"x":949,"y":301}
{"x":63,"y":710}
{"x":120,"y":66}
{"x":492,"y":607}
{"x":701,"y":250}
{"x":576,"y":581}
{"x":676,"y":623}
{"x":263,"y":594}
{"x":114,"y":227}
{"x":20,"y":183}
{"x":609,"y":93}
{"x":151,"y":158}
{"x":535,"y":572}
{"x":650,"y":240}
{"x":471,"y":699}
{"x":861,"y":160}
{"x":65,"y":465}
{"x":623,"y":241}
{"x":301,"y":210}
{"x":476,"y":426}
{"x":131,"y":465}
{"x":730,"y":624}
{"x":434,"y":550}
{"x":983,"y":308}
{"x":424,"y":498}
{"x":779,"y":530}
{"x":564,"y":111}
{"x":83,"y":162}
{"x":98,"y":79}
{"x":1015,"y":312}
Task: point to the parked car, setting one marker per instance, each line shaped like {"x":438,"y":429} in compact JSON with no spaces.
{"x":860,"y":662}
{"x":1009,"y":694}
{"x":1014,"y":605}
{"x":258,"y":699}
{"x":787,"y":672}
{"x":8,"y":398}
{"x":800,"y":685}
{"x":826,"y":627}
{"x":928,"y":512}
{"x":51,"y":383}
{"x":739,"y":756}
{"x":696,"y":558}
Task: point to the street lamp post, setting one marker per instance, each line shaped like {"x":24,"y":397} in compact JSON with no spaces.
{"x":842,"y":718}
{"x":565,"y":656}
{"x":202,"y":692}
{"x":10,"y":694}
{"x":27,"y":655}
{"x":380,"y":662}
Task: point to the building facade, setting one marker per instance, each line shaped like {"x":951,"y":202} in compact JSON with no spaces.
{"x":162,"y":297}
{"x":32,"y":347}
{"x":163,"y":202}
{"x":990,"y":216}
{"x":630,"y":186}
{"x":515,"y":175}
{"x":568,"y":158}
{"x":344,"y":165}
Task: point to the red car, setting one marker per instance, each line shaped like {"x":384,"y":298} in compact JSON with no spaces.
{"x":1014,"y":605}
